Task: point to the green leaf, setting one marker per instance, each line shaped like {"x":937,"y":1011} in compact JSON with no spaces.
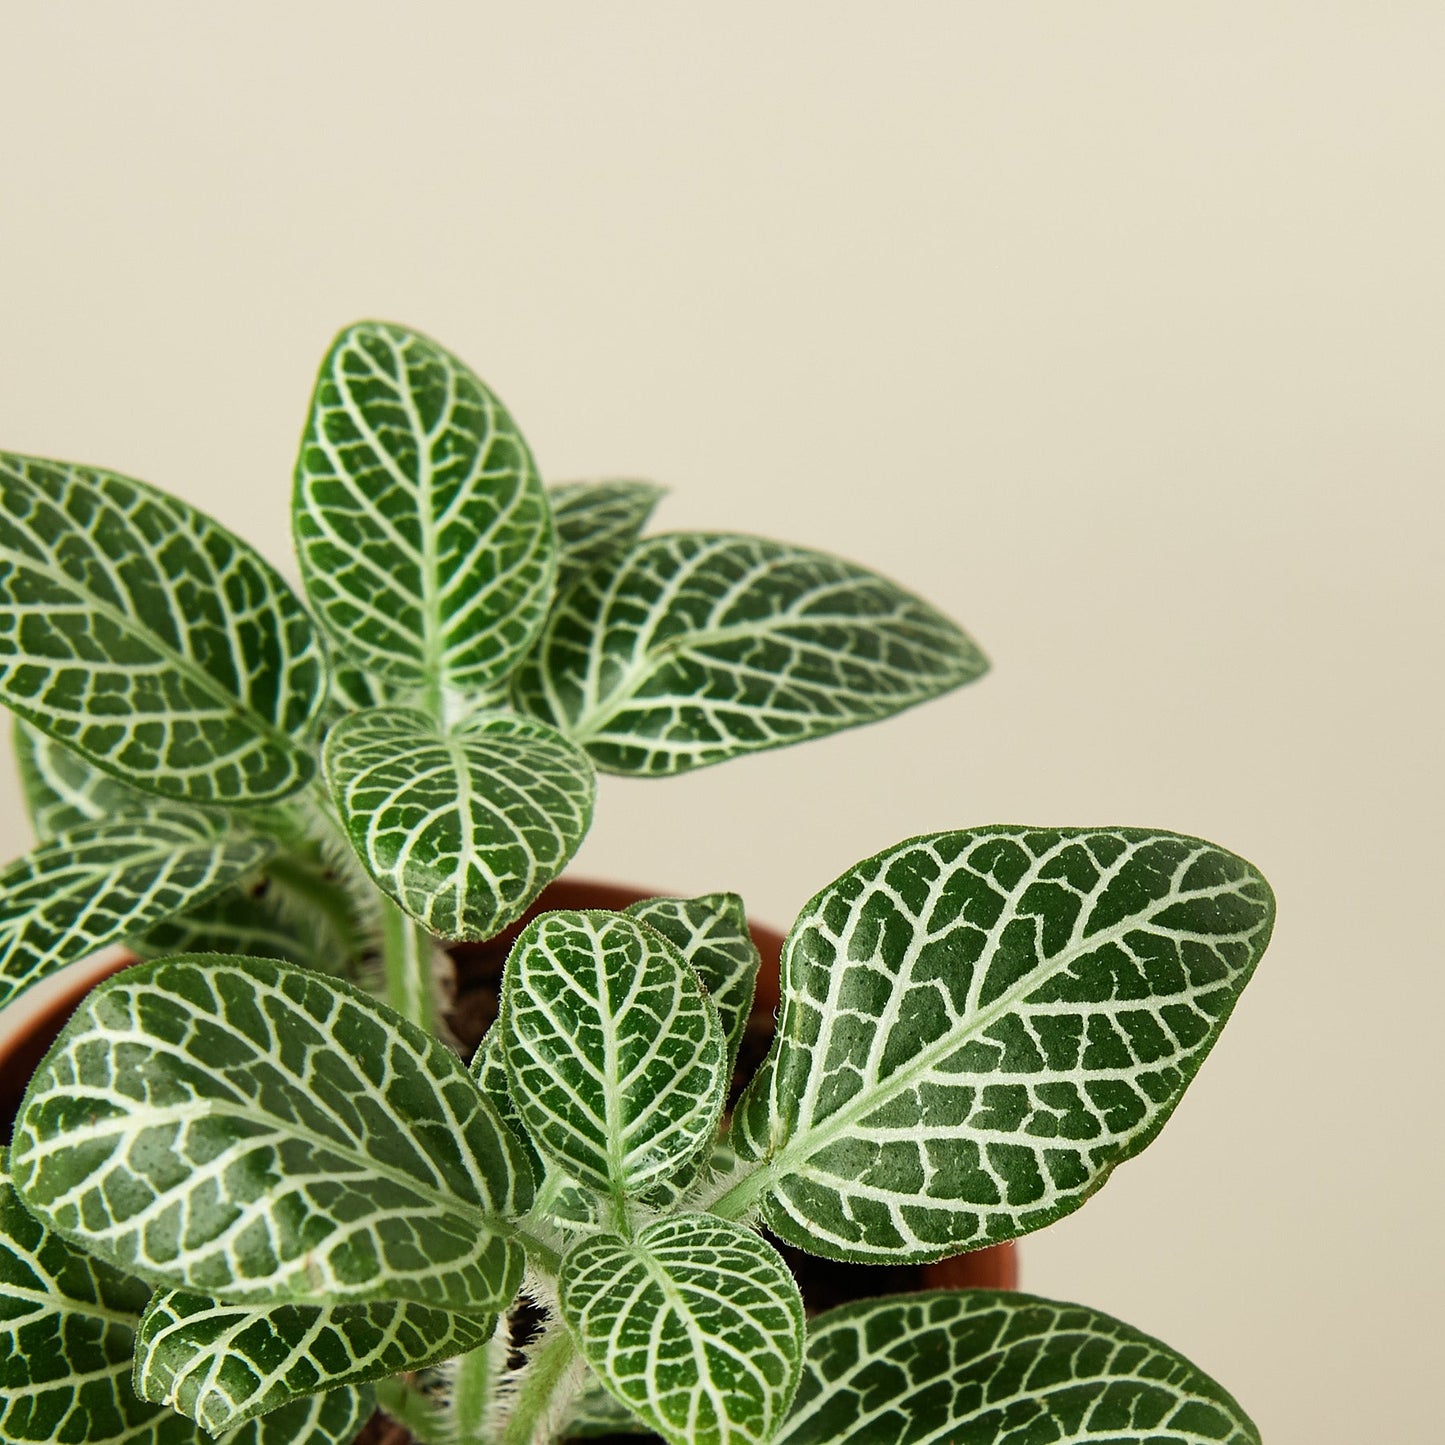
{"x":613,"y":1051}
{"x":696,"y":1326}
{"x":462,"y":830}
{"x":424,"y":535}
{"x":977,"y":1027}
{"x":102,"y":882}
{"x":66,"y":1335}
{"x":595,"y":1412}
{"x":711,"y":933}
{"x":263,"y":1134}
{"x":62,"y":790}
{"x":979,"y":1367}
{"x":145,"y":637}
{"x":595,"y":520}
{"x":695,"y":647}
{"x":222,"y":1364}
{"x":330,"y":1419}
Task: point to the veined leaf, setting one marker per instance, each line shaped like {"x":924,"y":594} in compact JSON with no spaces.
{"x":66,"y":1335}
{"x":978,"y":1026}
{"x":613,"y":1051}
{"x":696,"y":1327}
{"x":595,"y":1412}
{"x":102,"y":882}
{"x":711,"y":933}
{"x":257,"y":1132}
{"x":980,"y":1367}
{"x":463,"y":830}
{"x":695,"y":647}
{"x":330,"y":1419}
{"x":222,"y":1364}
{"x":596,"y":519}
{"x":62,"y":790}
{"x":424,"y":534}
{"x":148,"y":639}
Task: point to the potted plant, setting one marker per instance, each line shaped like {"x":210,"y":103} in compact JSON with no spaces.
{"x":253,"y":1190}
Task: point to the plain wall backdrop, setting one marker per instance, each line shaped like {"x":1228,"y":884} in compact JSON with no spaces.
{"x":1117,"y":331}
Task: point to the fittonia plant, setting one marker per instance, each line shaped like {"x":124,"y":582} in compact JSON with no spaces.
{"x":252,"y":1192}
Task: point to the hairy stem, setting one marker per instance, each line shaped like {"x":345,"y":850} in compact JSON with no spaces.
{"x":406,"y":955}
{"x":546,"y":1387}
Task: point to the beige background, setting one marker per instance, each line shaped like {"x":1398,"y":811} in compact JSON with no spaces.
{"x":1114,"y":329}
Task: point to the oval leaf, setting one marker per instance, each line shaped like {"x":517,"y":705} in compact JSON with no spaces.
{"x":697,"y":647}
{"x":978,"y":1026}
{"x":424,"y":534}
{"x":596,"y":519}
{"x":977,"y":1367}
{"x":613,"y":1052}
{"x":696,"y":1327}
{"x":150,"y":640}
{"x":249,"y":1130}
{"x":102,"y":882}
{"x":463,"y":830}
{"x":222,"y":1364}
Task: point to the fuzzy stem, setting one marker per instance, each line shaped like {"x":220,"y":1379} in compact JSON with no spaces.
{"x":406,"y":955}
{"x":540,"y":1393}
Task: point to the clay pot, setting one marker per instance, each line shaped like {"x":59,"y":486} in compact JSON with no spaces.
{"x":479,"y":971}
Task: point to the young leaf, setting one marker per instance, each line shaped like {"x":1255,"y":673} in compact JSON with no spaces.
{"x":712,"y":935}
{"x":980,"y":1367}
{"x":596,"y":519}
{"x":102,"y":882}
{"x":978,"y":1026}
{"x":613,"y":1051}
{"x":62,"y":790}
{"x":463,"y":830}
{"x":693,"y":648}
{"x":222,"y":1364}
{"x":424,"y":534}
{"x":253,"y":1131}
{"x":148,"y":639}
{"x":695,"y":1326}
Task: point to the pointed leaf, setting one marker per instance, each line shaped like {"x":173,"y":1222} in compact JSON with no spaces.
{"x":979,"y":1367}
{"x":978,"y":1026}
{"x":424,"y":534}
{"x":249,"y":1130}
{"x":223,"y":1364}
{"x":147,"y":638}
{"x":614,"y":1053}
{"x":462,"y":830}
{"x":102,"y":882}
{"x":695,"y":647}
{"x":62,"y":790}
{"x":596,"y":519}
{"x":696,"y":1327}
{"x":711,"y":933}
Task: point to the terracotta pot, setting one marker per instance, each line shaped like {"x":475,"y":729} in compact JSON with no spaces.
{"x":479,"y":969}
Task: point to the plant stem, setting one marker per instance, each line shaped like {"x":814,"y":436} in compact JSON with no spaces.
{"x":544,"y":1389}
{"x":406,"y":954}
{"x":310,"y":883}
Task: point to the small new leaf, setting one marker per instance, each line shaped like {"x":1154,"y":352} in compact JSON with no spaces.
{"x":595,"y":520}
{"x":222,"y":1364}
{"x":106,"y":881}
{"x":256,"y":1132}
{"x":463,"y":830}
{"x":696,"y":647}
{"x":978,"y":1026}
{"x":695,"y":1326}
{"x":711,"y":933}
{"x":613,"y":1051}
{"x":978,"y":1367}
{"x":424,"y":535}
{"x":150,"y":640}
